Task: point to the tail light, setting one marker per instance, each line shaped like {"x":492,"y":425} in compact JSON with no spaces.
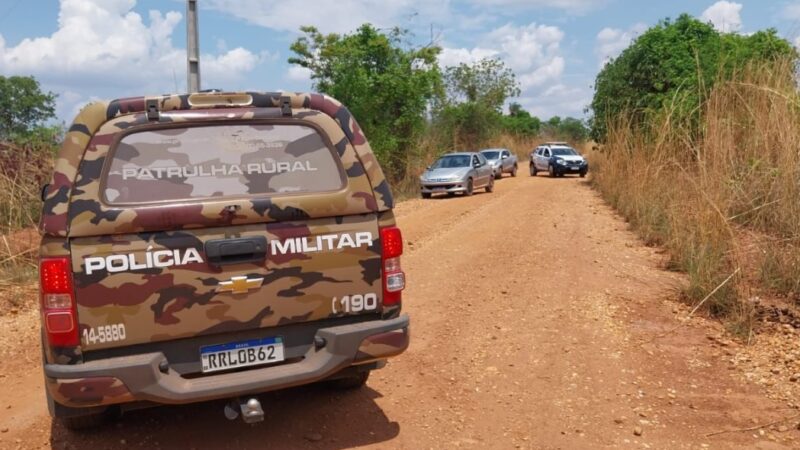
{"x":58,"y":302}
{"x":394,"y":280}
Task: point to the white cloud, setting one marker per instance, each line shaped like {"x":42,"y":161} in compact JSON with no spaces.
{"x":456,"y":56}
{"x":341,"y":16}
{"x":612,"y":41}
{"x":527,"y":46}
{"x":570,"y":6}
{"x":107,"y":48}
{"x":533,"y":52}
{"x":546,"y":73}
{"x":299,"y":74}
{"x":724,"y":15}
{"x":557,"y":100}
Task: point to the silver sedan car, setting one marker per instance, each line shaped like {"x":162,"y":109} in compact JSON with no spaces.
{"x":457,"y":172}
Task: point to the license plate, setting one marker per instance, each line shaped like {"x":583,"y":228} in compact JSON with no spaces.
{"x":241,"y":354}
{"x":439,"y":188}
{"x":576,"y":167}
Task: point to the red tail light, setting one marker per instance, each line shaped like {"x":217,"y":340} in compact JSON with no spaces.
{"x":394,"y":280}
{"x":58,"y":302}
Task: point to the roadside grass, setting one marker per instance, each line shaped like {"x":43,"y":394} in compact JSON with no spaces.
{"x":23,"y":172}
{"x":697,"y":193}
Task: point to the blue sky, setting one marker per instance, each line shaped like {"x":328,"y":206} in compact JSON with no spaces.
{"x":102,"y":49}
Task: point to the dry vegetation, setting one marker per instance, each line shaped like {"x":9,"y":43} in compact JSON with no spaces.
{"x":722,"y":197}
{"x":24,"y":171}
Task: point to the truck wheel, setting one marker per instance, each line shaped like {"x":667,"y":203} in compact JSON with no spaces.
{"x":470,"y":189}
{"x":534,"y":172}
{"x":353,"y":382}
{"x":75,"y":419}
{"x":78,"y":423}
{"x":426,"y":195}
{"x":583,"y":174}
{"x":490,"y":186}
{"x":498,"y":174}
{"x":552,"y":171}
{"x":514,"y":171}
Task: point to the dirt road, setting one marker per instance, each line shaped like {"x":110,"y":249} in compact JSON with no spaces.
{"x":538,"y":321}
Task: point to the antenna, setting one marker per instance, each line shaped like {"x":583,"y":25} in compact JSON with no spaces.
{"x":192,"y":48}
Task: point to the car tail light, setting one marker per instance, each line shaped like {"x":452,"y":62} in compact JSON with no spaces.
{"x":394,"y":280}
{"x":58,"y":302}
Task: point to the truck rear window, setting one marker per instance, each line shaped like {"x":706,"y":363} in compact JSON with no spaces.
{"x":220,"y":161}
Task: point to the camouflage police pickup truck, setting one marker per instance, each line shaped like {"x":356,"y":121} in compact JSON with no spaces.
{"x":214,"y":246}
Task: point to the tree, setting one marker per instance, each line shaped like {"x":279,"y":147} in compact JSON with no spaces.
{"x":386,"y":86}
{"x":573,"y":129}
{"x":473,"y":99}
{"x":568,"y":128}
{"x":521,"y":122}
{"x":676,"y":63}
{"x":23,"y":107}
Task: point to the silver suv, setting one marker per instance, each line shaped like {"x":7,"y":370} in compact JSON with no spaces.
{"x":501,"y":160}
{"x":557,"y":159}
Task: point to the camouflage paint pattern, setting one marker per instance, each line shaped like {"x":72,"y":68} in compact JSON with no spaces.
{"x":86,"y":392}
{"x":196,"y":107}
{"x":382,"y":346}
{"x":89,"y":216}
{"x":159,"y":304}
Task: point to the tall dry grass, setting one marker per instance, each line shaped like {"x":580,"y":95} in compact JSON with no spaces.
{"x":721,"y":197}
{"x":23,"y":172}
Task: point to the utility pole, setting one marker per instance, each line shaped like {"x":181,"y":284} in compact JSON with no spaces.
{"x":192,"y":48}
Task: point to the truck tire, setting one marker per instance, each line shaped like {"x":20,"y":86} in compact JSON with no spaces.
{"x":73,"y":420}
{"x":352,"y":382}
{"x":514,"y":171}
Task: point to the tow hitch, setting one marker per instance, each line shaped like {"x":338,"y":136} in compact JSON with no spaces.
{"x":250,"y":410}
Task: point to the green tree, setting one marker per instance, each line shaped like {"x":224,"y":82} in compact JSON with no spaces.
{"x":569,"y":128}
{"x":387,"y":86}
{"x":675,"y":62}
{"x":521,"y":122}
{"x":23,"y":108}
{"x":473,"y":98}
{"x":573,"y":129}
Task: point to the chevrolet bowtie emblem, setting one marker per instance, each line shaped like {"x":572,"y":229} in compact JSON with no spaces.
{"x":239,"y":285}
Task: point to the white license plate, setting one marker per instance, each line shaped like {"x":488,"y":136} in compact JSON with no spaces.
{"x":576,"y":167}
{"x":439,"y":188}
{"x":241,"y":354}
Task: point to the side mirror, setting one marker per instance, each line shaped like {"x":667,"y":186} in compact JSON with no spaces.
{"x":476,"y":165}
{"x":428,"y":168}
{"x":504,"y":157}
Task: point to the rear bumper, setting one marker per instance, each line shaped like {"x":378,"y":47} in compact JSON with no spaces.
{"x":138,"y":377}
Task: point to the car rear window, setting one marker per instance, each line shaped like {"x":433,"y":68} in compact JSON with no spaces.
{"x":220,"y":161}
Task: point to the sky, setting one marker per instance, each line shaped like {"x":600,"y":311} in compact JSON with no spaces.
{"x":84,"y":50}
